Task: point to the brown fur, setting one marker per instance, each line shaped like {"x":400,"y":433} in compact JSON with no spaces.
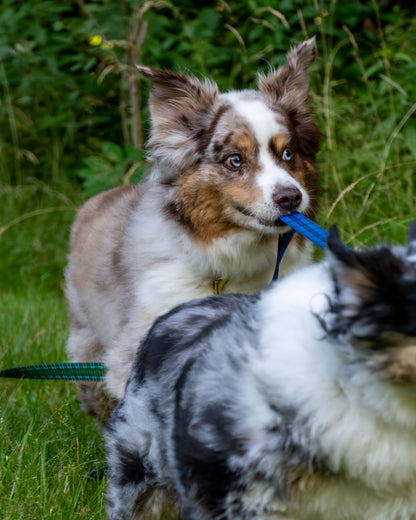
{"x":197,"y":221}
{"x":401,"y":365}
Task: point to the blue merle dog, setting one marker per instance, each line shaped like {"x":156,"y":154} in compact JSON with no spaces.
{"x":299,"y":403}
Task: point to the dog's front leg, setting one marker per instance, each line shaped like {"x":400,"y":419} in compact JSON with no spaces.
{"x":128,"y":480}
{"x":121,"y":497}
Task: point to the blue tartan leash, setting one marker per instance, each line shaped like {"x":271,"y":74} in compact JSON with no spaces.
{"x":96,"y":371}
{"x":306,"y":227}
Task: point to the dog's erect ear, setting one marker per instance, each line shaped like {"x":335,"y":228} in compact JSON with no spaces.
{"x":287,"y":88}
{"x":176,"y":99}
{"x":181,"y":109}
{"x":289,"y":84}
{"x":350,"y":275}
{"x":333,"y":241}
{"x":337,"y":249}
{"x":174,"y":93}
{"x":359,"y":271}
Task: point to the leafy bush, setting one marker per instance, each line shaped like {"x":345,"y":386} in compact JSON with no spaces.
{"x":111,"y":166}
{"x":68,"y":82}
{"x":50,"y":101}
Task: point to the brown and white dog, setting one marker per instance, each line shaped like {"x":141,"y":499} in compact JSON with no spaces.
{"x":225,"y":167}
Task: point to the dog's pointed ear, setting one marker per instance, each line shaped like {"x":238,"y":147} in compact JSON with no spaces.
{"x":287,"y":88}
{"x":337,"y":248}
{"x":351,"y":272}
{"x":181,"y":109}
{"x":175,"y":98}
{"x":289,"y":84}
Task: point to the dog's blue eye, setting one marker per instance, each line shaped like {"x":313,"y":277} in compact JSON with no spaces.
{"x":233,"y":161}
{"x":287,"y":154}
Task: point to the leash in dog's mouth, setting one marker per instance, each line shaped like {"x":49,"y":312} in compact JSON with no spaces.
{"x":96,"y":371}
{"x":305,"y":227}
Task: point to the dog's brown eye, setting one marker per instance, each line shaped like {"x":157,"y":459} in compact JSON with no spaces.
{"x":287,"y":154}
{"x":233,"y":161}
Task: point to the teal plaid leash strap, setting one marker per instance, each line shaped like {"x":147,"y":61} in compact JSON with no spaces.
{"x":63,"y":371}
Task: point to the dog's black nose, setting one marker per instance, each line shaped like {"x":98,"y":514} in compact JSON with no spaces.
{"x":288,"y":199}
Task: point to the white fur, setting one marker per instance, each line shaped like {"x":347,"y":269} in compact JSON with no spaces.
{"x":265,"y":125}
{"x":263,"y":394}
{"x":263,"y":121}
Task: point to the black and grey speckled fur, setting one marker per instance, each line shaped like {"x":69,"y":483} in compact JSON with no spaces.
{"x":296,"y":404}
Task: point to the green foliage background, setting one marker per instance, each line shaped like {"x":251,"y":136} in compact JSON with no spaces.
{"x":73,"y":119}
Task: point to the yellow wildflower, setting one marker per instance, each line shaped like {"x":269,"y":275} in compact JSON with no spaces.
{"x":95,"y":40}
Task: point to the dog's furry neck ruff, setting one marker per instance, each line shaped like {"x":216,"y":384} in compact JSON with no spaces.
{"x":299,"y":223}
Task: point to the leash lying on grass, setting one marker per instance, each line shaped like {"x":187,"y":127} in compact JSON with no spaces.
{"x":95,"y":371}
{"x":63,"y":371}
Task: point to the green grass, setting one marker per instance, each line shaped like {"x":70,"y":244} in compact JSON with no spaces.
{"x":47,"y":445}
